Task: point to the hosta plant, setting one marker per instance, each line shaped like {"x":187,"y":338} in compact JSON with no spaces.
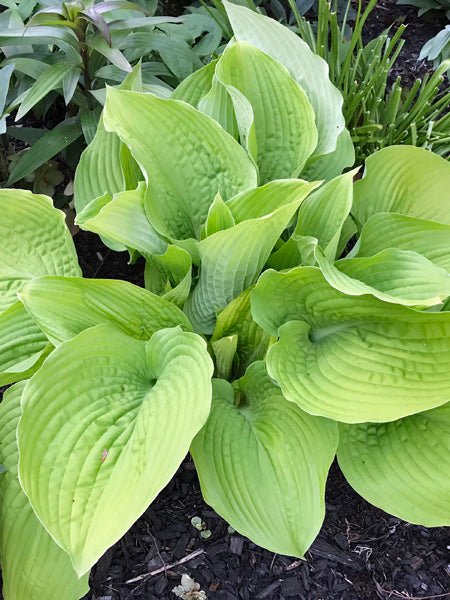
{"x":284,"y":320}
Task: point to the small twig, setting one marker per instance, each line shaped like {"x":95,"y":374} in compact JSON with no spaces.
{"x":407,"y":596}
{"x":293,"y":565}
{"x":187,"y":558}
{"x":102,"y":262}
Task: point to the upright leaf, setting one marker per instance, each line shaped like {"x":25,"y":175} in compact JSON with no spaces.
{"x":188,"y":160}
{"x":106,"y":421}
{"x":307,"y":68}
{"x":284,"y":127}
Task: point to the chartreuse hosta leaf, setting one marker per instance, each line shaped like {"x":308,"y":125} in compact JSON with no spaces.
{"x":263,"y":463}
{"x":322,"y":215}
{"x":34,"y":241}
{"x":231,"y":261}
{"x":186,"y":158}
{"x":219,"y":218}
{"x":353,"y":359}
{"x":307,"y":68}
{"x":22,"y":344}
{"x":284,"y":127}
{"x":399,"y":276}
{"x":105,"y":166}
{"x":236,"y":320}
{"x":106,"y":422}
{"x":197,"y":85}
{"x":170,"y":274}
{"x":390,"y":230}
{"x":331,"y":165}
{"x":405,"y":180}
{"x":123,"y":219}
{"x":402,"y":466}
{"x":33,"y":565}
{"x":65,"y":306}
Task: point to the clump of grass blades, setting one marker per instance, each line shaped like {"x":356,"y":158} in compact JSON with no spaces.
{"x":376,"y":113}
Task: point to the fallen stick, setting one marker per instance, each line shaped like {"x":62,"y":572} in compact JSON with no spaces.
{"x":167,"y":567}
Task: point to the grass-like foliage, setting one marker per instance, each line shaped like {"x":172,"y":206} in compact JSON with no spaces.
{"x":267,"y":339}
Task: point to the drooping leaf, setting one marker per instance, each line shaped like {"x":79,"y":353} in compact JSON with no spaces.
{"x":353,"y":359}
{"x":123,"y":220}
{"x":307,"y":68}
{"x":107,"y":420}
{"x":405,"y":180}
{"x":22,"y":344}
{"x":389,"y":230}
{"x":332,"y":164}
{"x":65,"y":306}
{"x":231,"y":261}
{"x":284,"y":127}
{"x":263,"y":463}
{"x":33,"y":566}
{"x":183,"y":166}
{"x":401,"y":466}
{"x":393,"y":275}
{"x":34,"y":241}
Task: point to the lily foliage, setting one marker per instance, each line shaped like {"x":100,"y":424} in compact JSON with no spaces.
{"x":289,"y":315}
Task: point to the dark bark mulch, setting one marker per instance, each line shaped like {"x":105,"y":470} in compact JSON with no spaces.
{"x":361,"y":552}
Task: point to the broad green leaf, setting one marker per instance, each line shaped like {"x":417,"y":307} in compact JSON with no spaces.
{"x":22,"y":345}
{"x":351,"y":358}
{"x":236,"y":320}
{"x":263,"y":463}
{"x":307,"y":68}
{"x":106,"y":421}
{"x":45,"y":148}
{"x":89,"y":123}
{"x":405,"y":180}
{"x":285,"y":131}
{"x":123,"y":220}
{"x":322,"y":215}
{"x":197,"y":85}
{"x":170,"y":274}
{"x":190,"y":159}
{"x":219,"y":217}
{"x":34,"y":241}
{"x":62,"y":37}
{"x":231,"y":261}
{"x":33,"y":566}
{"x":349,"y":229}
{"x":393,"y":275}
{"x":65,"y":306}
{"x":389,"y":230}
{"x":102,"y":164}
{"x":49,"y":80}
{"x":258,"y":202}
{"x":402,"y":466}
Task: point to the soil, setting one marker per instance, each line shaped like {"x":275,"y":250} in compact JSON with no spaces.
{"x":361,"y":552}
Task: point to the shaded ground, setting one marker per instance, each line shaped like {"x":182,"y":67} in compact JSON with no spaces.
{"x":361,"y":553}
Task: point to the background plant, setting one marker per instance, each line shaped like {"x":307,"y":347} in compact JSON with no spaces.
{"x":72,"y":50}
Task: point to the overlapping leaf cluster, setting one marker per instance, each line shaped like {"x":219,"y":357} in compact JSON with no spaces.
{"x":261,"y":344}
